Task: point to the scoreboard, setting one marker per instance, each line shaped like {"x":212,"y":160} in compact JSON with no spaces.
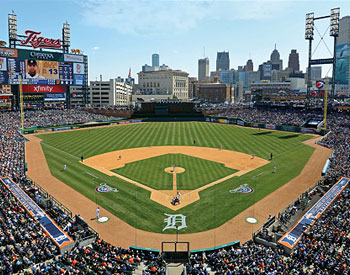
{"x":40,"y":68}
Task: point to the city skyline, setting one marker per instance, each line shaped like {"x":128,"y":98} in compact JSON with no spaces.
{"x":118,"y":35}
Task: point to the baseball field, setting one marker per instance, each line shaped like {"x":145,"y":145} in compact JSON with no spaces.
{"x":133,"y":171}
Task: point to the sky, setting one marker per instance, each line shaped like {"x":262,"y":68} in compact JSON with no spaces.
{"x":121,"y":35}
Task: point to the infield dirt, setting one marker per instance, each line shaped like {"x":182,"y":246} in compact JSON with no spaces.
{"x":231,"y":159}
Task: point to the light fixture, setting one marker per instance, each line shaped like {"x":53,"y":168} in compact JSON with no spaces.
{"x":309,"y":26}
{"x":66,"y":34}
{"x":334,"y":27}
{"x":12,"y":20}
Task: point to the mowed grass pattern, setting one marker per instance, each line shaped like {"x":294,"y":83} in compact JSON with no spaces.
{"x":216,"y":206}
{"x":198,"y":172}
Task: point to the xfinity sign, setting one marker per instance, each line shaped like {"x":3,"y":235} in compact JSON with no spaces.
{"x":33,"y":89}
{"x":42,"y":89}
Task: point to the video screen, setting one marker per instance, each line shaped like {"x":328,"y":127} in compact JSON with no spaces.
{"x":40,"y":72}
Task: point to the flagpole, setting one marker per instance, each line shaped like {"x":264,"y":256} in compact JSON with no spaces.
{"x":325,"y":107}
{"x":21,"y":102}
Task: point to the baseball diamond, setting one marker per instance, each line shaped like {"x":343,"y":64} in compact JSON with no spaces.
{"x":207,"y":206}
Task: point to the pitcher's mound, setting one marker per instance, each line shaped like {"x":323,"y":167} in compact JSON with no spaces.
{"x":176,"y":170}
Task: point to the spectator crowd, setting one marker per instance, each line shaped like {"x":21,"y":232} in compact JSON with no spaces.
{"x":26,"y":248}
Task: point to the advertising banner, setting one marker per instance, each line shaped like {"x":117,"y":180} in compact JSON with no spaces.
{"x":54,"y":231}
{"x":43,"y":89}
{"x":54,"y":96}
{"x":291,"y":238}
{"x":33,"y":97}
{"x":78,"y":68}
{"x":73,"y":58}
{"x":307,"y":131}
{"x":270,"y":126}
{"x":240,"y":122}
{"x":78,"y":79}
{"x":25,"y":54}
{"x":3,"y":64}
{"x":77,"y":95}
{"x":225,"y":121}
{"x":342,"y":64}
{"x":8,"y":52}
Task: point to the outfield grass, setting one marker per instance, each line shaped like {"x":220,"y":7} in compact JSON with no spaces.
{"x":216,"y":206}
{"x":198,"y":172}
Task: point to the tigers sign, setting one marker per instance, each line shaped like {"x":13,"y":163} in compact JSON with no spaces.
{"x":39,"y":41}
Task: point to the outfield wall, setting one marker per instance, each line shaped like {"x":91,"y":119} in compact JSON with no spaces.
{"x":240,"y":122}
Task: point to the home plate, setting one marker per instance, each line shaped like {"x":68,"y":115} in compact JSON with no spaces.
{"x":103,"y":219}
{"x":251,"y":220}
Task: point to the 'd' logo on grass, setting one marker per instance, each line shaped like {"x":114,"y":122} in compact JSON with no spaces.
{"x":104,"y":188}
{"x":243,"y":188}
{"x":177,"y":222}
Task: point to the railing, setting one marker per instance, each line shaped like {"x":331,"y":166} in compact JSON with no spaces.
{"x":299,"y":198}
{"x":47,"y":196}
{"x":61,"y":206}
{"x":42,"y":190}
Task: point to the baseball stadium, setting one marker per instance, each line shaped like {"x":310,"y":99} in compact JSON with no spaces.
{"x":166,"y":187}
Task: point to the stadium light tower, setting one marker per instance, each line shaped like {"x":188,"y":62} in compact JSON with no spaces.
{"x":334,"y":31}
{"x":12,"y":23}
{"x":309,"y":35}
{"x":66,"y":37}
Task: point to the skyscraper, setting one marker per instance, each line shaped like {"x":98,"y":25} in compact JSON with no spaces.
{"x":277,"y":63}
{"x":203,"y":69}
{"x":222,"y":61}
{"x":293,"y":61}
{"x":155,"y":60}
{"x":249,"y":67}
{"x":344,"y":31}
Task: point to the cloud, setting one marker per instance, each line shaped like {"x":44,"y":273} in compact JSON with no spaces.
{"x":160,"y":16}
{"x":95,"y":49}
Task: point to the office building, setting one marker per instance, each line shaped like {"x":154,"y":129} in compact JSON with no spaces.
{"x":249,"y":67}
{"x":293,"y":61}
{"x":203,"y":70}
{"x":215,"y":92}
{"x":192,"y":84}
{"x":280,"y":75}
{"x":277,"y":63}
{"x":113,"y":92}
{"x":222,"y":61}
{"x":155,"y":60}
{"x":344,"y":31}
{"x":265,"y":70}
{"x":173,"y":83}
